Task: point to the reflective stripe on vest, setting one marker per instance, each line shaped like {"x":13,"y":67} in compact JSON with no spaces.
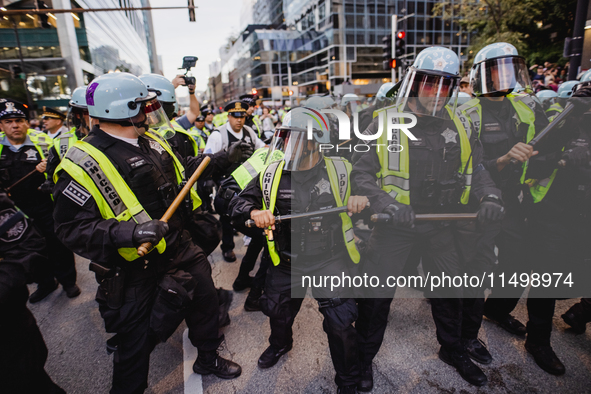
{"x":64,"y":142}
{"x":250,"y":168}
{"x":94,"y":171}
{"x":179,"y":129}
{"x":256,"y":121}
{"x":471,"y":112}
{"x":42,"y":143}
{"x":394,"y":176}
{"x":338,"y":174}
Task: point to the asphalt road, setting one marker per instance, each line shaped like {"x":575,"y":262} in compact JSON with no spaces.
{"x":406,"y":363}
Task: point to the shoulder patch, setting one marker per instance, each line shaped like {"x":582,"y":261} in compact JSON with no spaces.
{"x":76,"y":193}
{"x":15,"y":232}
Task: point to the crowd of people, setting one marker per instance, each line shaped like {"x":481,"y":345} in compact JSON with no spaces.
{"x":110,"y":181}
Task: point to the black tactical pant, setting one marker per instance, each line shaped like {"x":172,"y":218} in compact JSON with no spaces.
{"x":513,"y":256}
{"x":560,"y":244}
{"x":131,"y":322}
{"x":283,"y":298}
{"x":23,"y":354}
{"x":257,"y":243}
{"x":62,"y":265}
{"x":221,"y":207}
{"x":389,"y":249}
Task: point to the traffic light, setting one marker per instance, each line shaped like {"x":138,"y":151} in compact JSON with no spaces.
{"x":387,"y":53}
{"x":16,"y":72}
{"x":400,"y":44}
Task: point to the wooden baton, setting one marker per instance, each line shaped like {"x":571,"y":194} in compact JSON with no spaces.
{"x":146,"y":247}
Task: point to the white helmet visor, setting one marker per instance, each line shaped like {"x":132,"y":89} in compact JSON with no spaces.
{"x":428,"y":94}
{"x":500,"y":76}
{"x":294,"y":147}
{"x":155,"y":119}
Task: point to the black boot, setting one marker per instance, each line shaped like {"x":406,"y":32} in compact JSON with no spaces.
{"x":43,"y":290}
{"x":462,"y":363}
{"x":545,"y":358}
{"x":229,"y":256}
{"x":477,"y":351}
{"x":578,"y":316}
{"x":508,"y":323}
{"x":241,"y":284}
{"x":72,"y":291}
{"x":272,"y":355}
{"x":366,"y":380}
{"x":211,"y":362}
{"x":252,"y":303}
{"x":351,"y":389}
{"x":225,"y":298}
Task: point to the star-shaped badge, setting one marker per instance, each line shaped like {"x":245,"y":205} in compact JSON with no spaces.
{"x":31,"y":154}
{"x":156,"y":146}
{"x":450,"y":136}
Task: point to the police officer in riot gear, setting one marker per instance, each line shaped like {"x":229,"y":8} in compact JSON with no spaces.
{"x":112,"y":188}
{"x":22,"y":151}
{"x":438,"y":172}
{"x":306,"y":181}
{"x":506,"y":121}
{"x":182,"y":141}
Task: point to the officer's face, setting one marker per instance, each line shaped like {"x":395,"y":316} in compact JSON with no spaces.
{"x":209,"y":118}
{"x":15,"y":128}
{"x":200,"y":125}
{"x":250,"y":110}
{"x":236,"y":123}
{"x":52,"y":124}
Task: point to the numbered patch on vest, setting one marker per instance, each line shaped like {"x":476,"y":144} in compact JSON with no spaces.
{"x":76,"y":193}
{"x":15,"y":232}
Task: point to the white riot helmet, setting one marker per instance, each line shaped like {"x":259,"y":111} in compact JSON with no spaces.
{"x":124,"y":99}
{"x":298,"y":140}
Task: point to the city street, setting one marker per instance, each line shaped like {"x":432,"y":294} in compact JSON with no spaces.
{"x":407,"y":362}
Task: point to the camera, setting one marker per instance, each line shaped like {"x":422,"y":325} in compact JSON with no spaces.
{"x":188,"y":63}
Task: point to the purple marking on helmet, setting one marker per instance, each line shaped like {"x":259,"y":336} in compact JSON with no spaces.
{"x":90,"y":93}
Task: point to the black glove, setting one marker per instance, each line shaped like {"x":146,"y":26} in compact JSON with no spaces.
{"x":491,"y":209}
{"x":152,"y":232}
{"x":577,"y":156}
{"x":239,"y":151}
{"x":402,"y":215}
{"x":47,"y":187}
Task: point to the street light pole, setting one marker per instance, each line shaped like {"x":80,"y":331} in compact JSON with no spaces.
{"x":20,"y":55}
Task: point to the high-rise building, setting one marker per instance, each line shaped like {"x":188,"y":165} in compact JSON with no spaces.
{"x":326,"y":44}
{"x":64,"y":50}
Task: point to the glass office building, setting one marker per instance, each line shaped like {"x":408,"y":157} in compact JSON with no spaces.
{"x":326,"y":44}
{"x":67,"y":50}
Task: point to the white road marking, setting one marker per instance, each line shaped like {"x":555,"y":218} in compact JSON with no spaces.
{"x":193,"y":382}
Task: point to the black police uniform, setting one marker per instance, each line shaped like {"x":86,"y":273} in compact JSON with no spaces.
{"x":433,"y":161}
{"x":304,"y":252}
{"x":219,"y":203}
{"x":129,"y":310}
{"x":38,"y":206}
{"x":499,"y":131}
{"x":24,"y":353}
{"x":561,"y":228}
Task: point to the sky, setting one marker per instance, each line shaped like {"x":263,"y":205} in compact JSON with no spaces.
{"x":176,"y":37}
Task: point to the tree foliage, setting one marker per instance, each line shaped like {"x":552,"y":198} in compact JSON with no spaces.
{"x":537,"y":28}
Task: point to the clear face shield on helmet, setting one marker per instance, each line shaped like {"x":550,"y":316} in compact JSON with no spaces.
{"x":293,"y":146}
{"x":429,"y":94}
{"x":79,"y":119}
{"x":152,"y":117}
{"x":501,"y":76}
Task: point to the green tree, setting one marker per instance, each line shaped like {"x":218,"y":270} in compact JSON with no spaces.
{"x":537,"y":28}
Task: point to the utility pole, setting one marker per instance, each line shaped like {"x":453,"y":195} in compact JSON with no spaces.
{"x":20,"y":55}
{"x":577,"y":40}
{"x":394,"y":28}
